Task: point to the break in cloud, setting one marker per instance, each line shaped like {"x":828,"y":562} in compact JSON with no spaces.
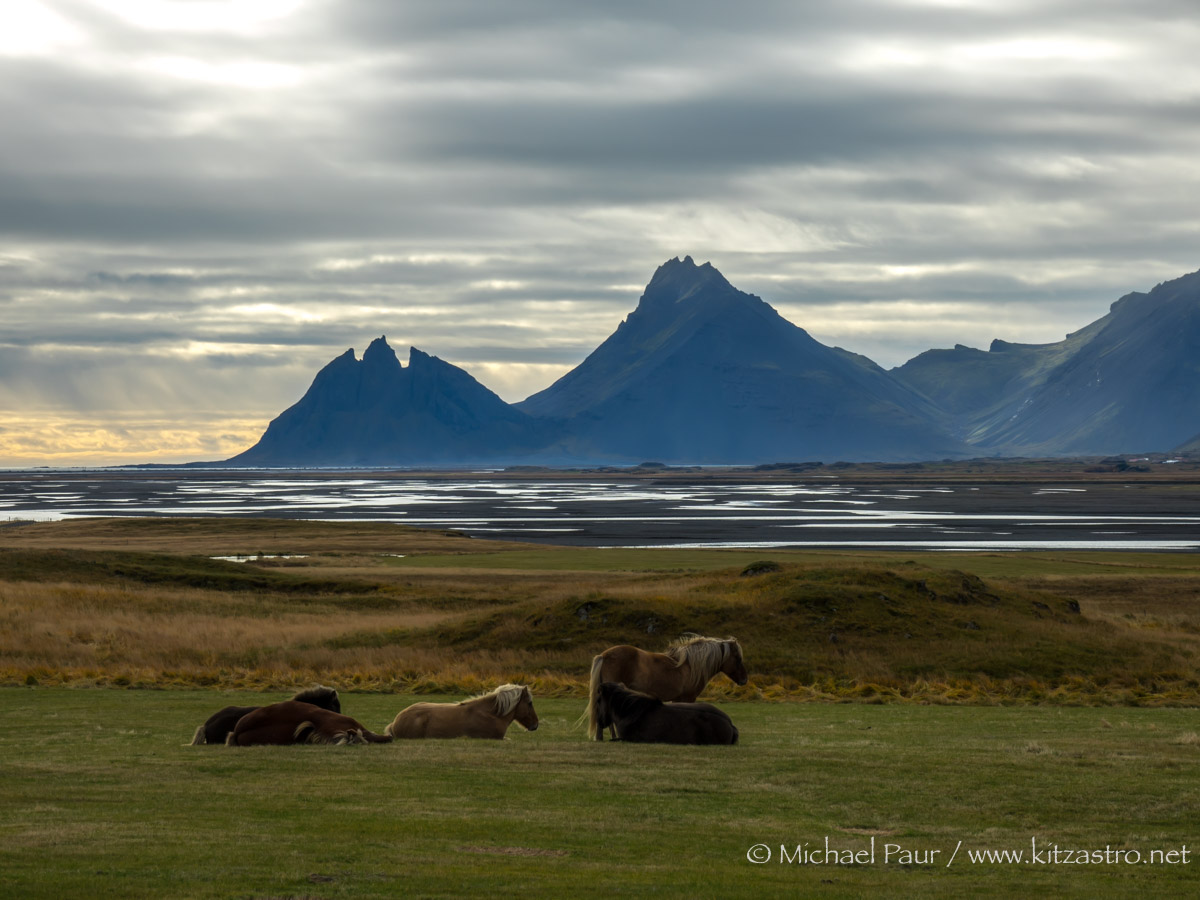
{"x":202,"y":202}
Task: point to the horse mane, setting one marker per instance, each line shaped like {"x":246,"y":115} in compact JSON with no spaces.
{"x":504,"y":698}
{"x":704,"y":655}
{"x":324,"y":697}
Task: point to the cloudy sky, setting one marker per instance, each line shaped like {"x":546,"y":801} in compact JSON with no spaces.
{"x":203,"y":201}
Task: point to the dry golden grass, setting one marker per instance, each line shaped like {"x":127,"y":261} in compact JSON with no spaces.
{"x":863,"y":627}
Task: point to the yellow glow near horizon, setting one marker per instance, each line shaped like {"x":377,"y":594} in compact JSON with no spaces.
{"x":105,"y":439}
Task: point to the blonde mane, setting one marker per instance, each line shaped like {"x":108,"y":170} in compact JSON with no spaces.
{"x":504,"y":698}
{"x":704,"y":656}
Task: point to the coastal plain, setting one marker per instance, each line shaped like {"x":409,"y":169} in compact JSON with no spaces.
{"x":910,"y":700}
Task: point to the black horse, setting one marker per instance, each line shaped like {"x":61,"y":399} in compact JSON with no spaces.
{"x":221,"y":723}
{"x":645,"y":719}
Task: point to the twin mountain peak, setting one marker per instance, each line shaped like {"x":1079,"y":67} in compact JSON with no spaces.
{"x":701,"y":372}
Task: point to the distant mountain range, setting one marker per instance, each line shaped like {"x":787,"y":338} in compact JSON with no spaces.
{"x":701,"y":372}
{"x":1128,"y":382}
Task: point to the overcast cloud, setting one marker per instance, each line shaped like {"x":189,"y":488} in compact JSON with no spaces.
{"x":203,"y":201}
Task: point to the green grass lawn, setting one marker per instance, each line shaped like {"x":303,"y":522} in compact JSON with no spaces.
{"x":101,"y":796}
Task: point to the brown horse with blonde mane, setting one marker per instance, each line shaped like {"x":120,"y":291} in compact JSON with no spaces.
{"x":293,"y":722}
{"x":679,"y":674}
{"x":485,"y":716}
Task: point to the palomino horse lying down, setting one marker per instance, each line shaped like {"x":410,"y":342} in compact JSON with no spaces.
{"x":221,"y":723}
{"x":644,"y":719}
{"x":679,"y":674}
{"x":293,"y":722}
{"x":485,"y":716}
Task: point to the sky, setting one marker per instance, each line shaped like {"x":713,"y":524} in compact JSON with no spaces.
{"x":204,"y":201}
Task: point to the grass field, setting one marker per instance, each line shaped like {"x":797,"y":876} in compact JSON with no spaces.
{"x":142,"y":602}
{"x":101,"y":797}
{"x":992,"y":699}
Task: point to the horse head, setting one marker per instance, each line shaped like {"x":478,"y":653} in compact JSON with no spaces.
{"x":524,"y":711}
{"x":734,"y":666}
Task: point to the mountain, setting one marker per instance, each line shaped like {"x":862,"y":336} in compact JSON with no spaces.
{"x":1130,"y":381}
{"x":701,"y":372}
{"x":376,"y":412}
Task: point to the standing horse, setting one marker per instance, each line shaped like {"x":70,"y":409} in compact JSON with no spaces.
{"x":640,"y":718}
{"x":293,"y":722}
{"x":221,"y":723}
{"x":679,"y":674}
{"x":485,"y":716}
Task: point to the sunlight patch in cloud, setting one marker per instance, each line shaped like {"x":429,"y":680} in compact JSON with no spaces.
{"x":227,"y":16}
{"x":247,"y":74}
{"x":30,"y":28}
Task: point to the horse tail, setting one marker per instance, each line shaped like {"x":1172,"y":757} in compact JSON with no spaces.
{"x":372,"y":738}
{"x":302,"y":733}
{"x":590,"y":714}
{"x":198,"y":737}
{"x":230,"y":740}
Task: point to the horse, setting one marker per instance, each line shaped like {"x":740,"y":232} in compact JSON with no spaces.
{"x":640,"y":718}
{"x":220,"y":723}
{"x":680,"y":674}
{"x":484,"y":716}
{"x":293,"y":722}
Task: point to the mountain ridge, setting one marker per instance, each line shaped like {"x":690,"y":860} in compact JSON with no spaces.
{"x":700,"y":372}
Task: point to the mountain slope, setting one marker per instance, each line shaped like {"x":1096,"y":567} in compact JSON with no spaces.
{"x":374,"y":411}
{"x":701,"y":372}
{"x":1129,"y":381}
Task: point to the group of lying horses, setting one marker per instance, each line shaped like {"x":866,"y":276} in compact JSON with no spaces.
{"x":315,"y":716}
{"x":637,"y":695}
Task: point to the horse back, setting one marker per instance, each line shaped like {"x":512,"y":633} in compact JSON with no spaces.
{"x":280,"y":723}
{"x":683,"y":723}
{"x":642,"y":670}
{"x":446,"y":720}
{"x":412,"y":721}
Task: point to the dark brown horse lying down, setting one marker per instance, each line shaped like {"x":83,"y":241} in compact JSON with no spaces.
{"x":644,"y":719}
{"x":220,"y":724}
{"x":679,"y":674}
{"x":293,"y":722}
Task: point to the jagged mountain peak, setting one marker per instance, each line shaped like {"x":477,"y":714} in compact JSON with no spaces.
{"x":678,"y":279}
{"x":379,"y":353}
{"x":701,"y":371}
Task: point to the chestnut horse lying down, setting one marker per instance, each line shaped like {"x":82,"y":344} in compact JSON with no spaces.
{"x":293,"y":722}
{"x":644,"y":719}
{"x":220,"y":723}
{"x":485,"y":716}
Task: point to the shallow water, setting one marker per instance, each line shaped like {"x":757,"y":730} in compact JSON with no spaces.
{"x":817,"y":513}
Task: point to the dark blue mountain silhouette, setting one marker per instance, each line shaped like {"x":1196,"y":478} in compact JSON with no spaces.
{"x":701,"y":372}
